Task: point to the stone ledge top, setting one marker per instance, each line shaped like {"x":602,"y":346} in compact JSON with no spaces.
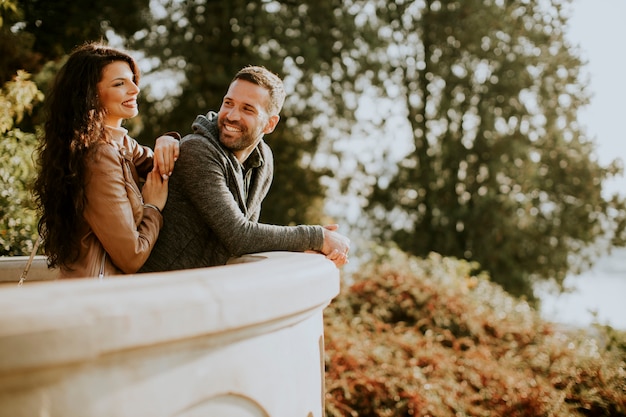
{"x":56,"y":322}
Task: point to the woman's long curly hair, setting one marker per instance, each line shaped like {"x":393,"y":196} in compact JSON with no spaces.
{"x":74,"y":126}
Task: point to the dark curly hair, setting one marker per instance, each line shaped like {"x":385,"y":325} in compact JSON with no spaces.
{"x":74,"y":126}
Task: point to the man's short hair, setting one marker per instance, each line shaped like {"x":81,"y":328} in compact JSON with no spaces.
{"x":271,"y":82}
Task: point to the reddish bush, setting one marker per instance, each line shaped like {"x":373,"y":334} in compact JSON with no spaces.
{"x":413,"y":337}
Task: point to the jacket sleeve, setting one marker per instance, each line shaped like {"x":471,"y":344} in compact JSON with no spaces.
{"x":207,"y":181}
{"x":114,"y":210}
{"x":142,"y":156}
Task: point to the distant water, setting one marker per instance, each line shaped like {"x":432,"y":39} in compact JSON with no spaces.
{"x":598,"y":296}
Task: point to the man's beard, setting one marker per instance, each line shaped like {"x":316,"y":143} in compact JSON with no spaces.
{"x":244,"y":138}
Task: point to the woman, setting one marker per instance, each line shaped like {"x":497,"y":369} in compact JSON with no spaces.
{"x":95,"y":219}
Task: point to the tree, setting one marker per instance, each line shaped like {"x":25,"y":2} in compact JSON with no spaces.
{"x":18,"y":222}
{"x":15,"y":45}
{"x":34,"y":32}
{"x":500,"y":171}
{"x":59,"y":26}
{"x":18,"y":96}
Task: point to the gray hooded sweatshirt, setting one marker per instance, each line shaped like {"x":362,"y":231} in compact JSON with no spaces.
{"x":211,"y":216}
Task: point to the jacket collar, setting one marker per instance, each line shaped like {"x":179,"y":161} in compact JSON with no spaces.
{"x":115,"y":135}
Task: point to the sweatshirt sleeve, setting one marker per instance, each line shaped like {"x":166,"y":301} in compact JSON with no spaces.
{"x":208,"y":182}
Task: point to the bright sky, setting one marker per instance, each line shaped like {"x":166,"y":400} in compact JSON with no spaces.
{"x":597,"y":26}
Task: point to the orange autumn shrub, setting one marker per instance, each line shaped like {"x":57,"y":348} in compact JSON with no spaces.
{"x":410,"y":337}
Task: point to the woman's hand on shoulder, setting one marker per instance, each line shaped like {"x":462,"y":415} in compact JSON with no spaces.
{"x":166,"y":151}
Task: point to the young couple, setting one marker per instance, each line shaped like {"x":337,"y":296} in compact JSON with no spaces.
{"x":201,"y":200}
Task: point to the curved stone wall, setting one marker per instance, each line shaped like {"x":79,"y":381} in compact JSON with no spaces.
{"x":242,"y":340}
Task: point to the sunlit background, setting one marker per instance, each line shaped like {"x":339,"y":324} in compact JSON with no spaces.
{"x":597,"y":27}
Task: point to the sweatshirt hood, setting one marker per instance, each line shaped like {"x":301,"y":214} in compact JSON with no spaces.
{"x":206,"y":125}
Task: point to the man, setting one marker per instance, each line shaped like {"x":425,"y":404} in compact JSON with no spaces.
{"x":222,"y":175}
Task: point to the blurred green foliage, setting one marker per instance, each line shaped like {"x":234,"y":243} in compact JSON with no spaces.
{"x":18,"y":221}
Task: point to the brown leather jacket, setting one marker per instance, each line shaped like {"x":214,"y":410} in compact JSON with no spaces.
{"x":119,"y":232}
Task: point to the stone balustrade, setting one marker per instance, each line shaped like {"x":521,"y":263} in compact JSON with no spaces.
{"x":242,"y":340}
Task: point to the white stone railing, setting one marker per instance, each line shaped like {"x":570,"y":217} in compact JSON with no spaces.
{"x":243,"y":340}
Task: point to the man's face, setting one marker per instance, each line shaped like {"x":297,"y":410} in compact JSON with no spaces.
{"x":243,"y":118}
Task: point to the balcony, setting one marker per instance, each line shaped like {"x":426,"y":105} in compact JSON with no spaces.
{"x":242,"y":340}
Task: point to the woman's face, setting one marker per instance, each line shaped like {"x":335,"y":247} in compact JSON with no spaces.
{"x":118,"y":93}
